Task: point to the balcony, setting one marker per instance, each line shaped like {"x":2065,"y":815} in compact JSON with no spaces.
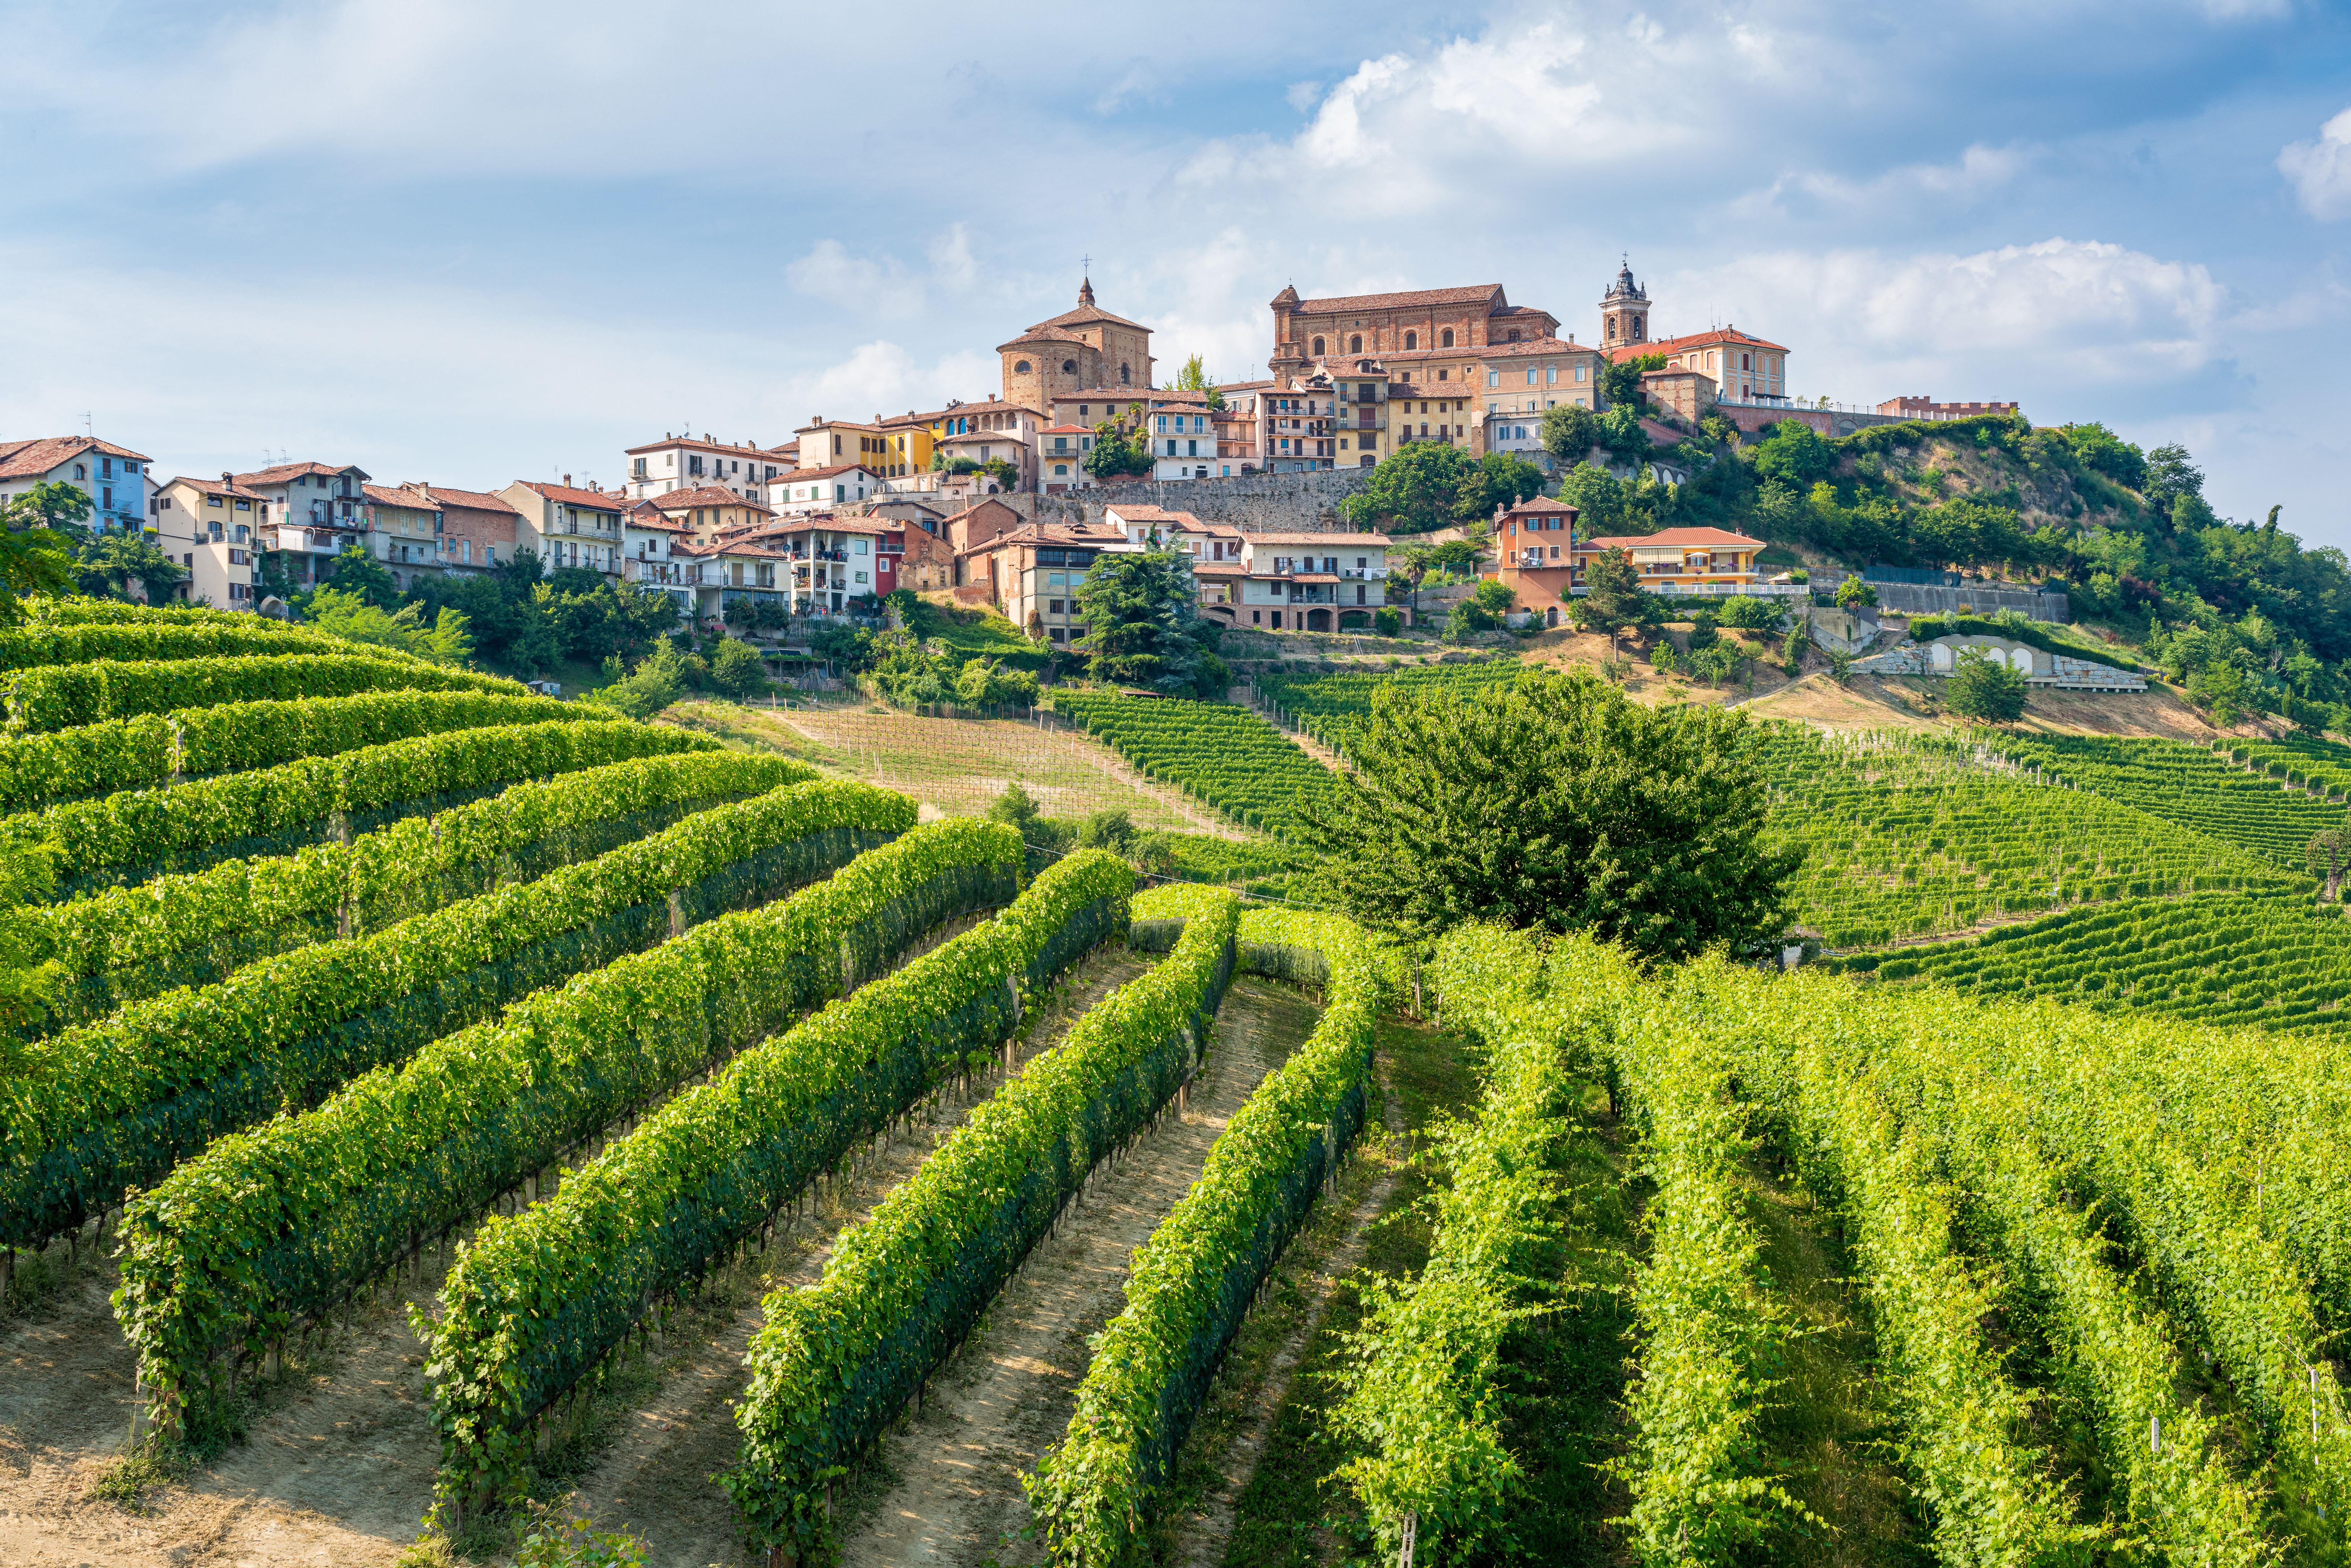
{"x":313,"y":540}
{"x":1364,"y":573}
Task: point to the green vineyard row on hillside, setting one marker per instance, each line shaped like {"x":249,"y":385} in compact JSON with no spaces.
{"x":2220,"y":957}
{"x":1331,"y":707}
{"x":1906,"y":834}
{"x":2299,"y":759}
{"x":1223,"y":755}
{"x":2192,"y":786}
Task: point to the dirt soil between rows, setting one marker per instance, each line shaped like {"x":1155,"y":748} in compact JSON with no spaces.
{"x":944,"y":1488}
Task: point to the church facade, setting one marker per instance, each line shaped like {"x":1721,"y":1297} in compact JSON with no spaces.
{"x":1087,"y":348}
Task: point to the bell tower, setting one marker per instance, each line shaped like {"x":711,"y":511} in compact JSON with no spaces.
{"x":1624,"y":311}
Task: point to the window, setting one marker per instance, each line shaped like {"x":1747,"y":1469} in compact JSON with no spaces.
{"x":1493,"y":377}
{"x":1053,"y":607}
{"x":860,"y":577}
{"x":1445,"y":340}
{"x":80,"y":472}
{"x":1579,"y":370}
{"x":1163,"y":424}
{"x":1355,"y":344}
{"x":1551,"y":374}
{"x":859,"y":550}
{"x":1123,"y":377}
{"x":1318,"y":346}
{"x":1069,"y":367}
{"x":1745,"y":361}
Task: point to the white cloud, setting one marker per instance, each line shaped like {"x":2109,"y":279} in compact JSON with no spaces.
{"x":1978,"y":172}
{"x":1862,"y":326}
{"x":867,"y":288}
{"x":2320,"y":170}
{"x":882,"y":378}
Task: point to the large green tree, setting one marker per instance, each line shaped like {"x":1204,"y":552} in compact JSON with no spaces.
{"x":38,"y":532}
{"x":1558,"y":804}
{"x":1141,"y":611}
{"x":111,"y":563}
{"x":1620,"y":383}
{"x":1495,"y":480}
{"x":1570,"y":431}
{"x":1986,"y":688}
{"x":1412,"y":490}
{"x":1617,"y":602}
{"x":1118,"y":453}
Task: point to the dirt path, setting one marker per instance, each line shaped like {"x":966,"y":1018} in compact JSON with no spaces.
{"x":338,"y":1469}
{"x":948,"y":1479}
{"x":1199,"y":1539}
{"x":655,"y":1477}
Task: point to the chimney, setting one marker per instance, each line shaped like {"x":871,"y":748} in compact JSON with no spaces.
{"x":228,"y":478}
{"x":567,"y":481}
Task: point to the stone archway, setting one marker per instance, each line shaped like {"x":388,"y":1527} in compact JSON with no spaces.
{"x":1318,"y":620}
{"x":1353,"y":619}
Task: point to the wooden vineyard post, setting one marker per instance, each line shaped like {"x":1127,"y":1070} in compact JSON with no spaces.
{"x":1411,"y":1539}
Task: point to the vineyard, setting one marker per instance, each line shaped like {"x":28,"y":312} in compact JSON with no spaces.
{"x":1225,"y":756}
{"x":545,"y":1026}
{"x":2099,"y":1260}
{"x":1331,"y":707}
{"x":1907,"y":834}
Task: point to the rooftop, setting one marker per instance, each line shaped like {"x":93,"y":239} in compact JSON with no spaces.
{"x":1666,"y":538}
{"x":24,"y":459}
{"x":703,"y":496}
{"x":1487,"y":294}
{"x":689,"y":444}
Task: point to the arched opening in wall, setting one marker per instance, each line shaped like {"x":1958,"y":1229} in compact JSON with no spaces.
{"x":1412,"y":339}
{"x":1366,"y":461}
{"x":1123,"y":376}
{"x":1353,"y":619}
{"x":1020,"y":367}
{"x":1318,"y":348}
{"x":1550,"y":616}
{"x":1445,"y":338}
{"x":1318,"y":620}
{"x":1355,"y":344}
{"x":1069,"y":367}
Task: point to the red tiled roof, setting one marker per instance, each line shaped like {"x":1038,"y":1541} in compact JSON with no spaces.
{"x":1691,"y":341}
{"x":285,"y":471}
{"x":25,"y":459}
{"x":398,"y":495}
{"x":600,"y":500}
{"x":802,"y":475}
{"x":1046,"y":334}
{"x":466,"y":500}
{"x":1540,"y":505}
{"x":703,"y":496}
{"x":1049,"y":534}
{"x":1359,"y":541}
{"x":1490,"y":292}
{"x":1084,"y":313}
{"x":1065,"y":430}
{"x":1666,"y":538}
{"x":687,"y":442}
{"x":1130,"y":512}
{"x":1538,"y":345}
{"x":215,"y":487}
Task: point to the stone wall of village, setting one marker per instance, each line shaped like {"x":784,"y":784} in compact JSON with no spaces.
{"x":1254,"y":503}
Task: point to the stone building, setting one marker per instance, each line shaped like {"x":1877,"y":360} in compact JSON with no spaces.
{"x":1087,"y":347}
{"x":1438,"y":332}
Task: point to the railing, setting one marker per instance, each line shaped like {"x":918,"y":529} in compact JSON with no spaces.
{"x":1719,"y":590}
{"x":1364,"y":573}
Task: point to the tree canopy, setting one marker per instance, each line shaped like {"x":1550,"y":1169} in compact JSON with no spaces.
{"x":1414,"y":489}
{"x":1556,"y":803}
{"x":1143,"y":622}
{"x":1985,"y":688}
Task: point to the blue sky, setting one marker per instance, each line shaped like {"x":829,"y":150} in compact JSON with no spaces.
{"x":472,"y":241}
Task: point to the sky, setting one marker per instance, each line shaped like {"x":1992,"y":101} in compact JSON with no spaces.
{"x":473,"y":241}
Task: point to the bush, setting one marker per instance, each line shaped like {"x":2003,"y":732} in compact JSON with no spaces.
{"x":737,"y":672}
{"x":1986,"y":689}
{"x":1387,"y":621}
{"x":1751,"y":613}
{"x":984,"y":683}
{"x":1109,"y":829}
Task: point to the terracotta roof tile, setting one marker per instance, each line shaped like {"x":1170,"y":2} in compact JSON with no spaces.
{"x":688,"y":443}
{"x":284,"y":471}
{"x":1666,"y":538}
{"x":394,"y":496}
{"x":1490,"y":294}
{"x":802,"y":475}
{"x":1085,"y":313}
{"x":1343,"y":540}
{"x":469,"y":500}
{"x":26,"y":459}
{"x":1046,"y":334}
{"x":1692,"y":341}
{"x":569,"y":496}
{"x":703,"y":496}
{"x":1536,"y":346}
{"x":215,"y":487}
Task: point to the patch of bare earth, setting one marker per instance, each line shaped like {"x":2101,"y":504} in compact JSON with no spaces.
{"x":655,"y":1477}
{"x":337,"y":1468}
{"x":950,"y":1486}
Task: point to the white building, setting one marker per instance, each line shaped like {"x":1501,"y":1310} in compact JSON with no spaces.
{"x":820,"y":490}
{"x":1328,"y":581}
{"x":116,"y":479}
{"x":682,"y":463}
{"x":1062,"y":458}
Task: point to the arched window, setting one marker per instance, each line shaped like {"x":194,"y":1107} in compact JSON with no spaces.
{"x":1445,"y":338}
{"x":1412,"y":339}
{"x":1123,"y":375}
{"x":1069,"y":367}
{"x":1355,"y":344}
{"x":80,"y":472}
{"x":1612,"y":329}
{"x":1020,"y":367}
{"x":1318,"y":348}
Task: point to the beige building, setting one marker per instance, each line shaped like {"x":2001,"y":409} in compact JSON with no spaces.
{"x":215,"y":529}
{"x":1087,"y":347}
{"x":702,"y":515}
{"x":1743,"y":368}
{"x":1521,"y":380}
{"x":1032,"y":573}
{"x":569,"y":526}
{"x":403,"y":531}
{"x":682,"y":463}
